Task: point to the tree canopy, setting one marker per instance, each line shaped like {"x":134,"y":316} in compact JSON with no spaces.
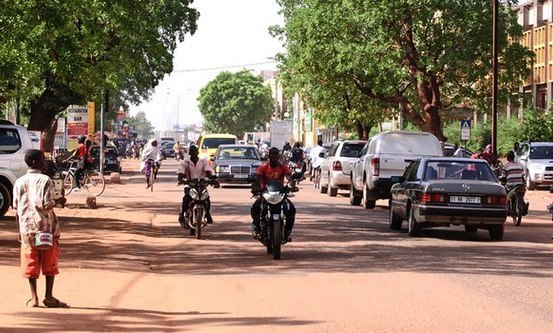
{"x":141,"y":124}
{"x":58,"y":53}
{"x":422,"y":58}
{"x":235,"y":103}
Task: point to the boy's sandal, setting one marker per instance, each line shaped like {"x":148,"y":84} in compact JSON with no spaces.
{"x":56,"y":303}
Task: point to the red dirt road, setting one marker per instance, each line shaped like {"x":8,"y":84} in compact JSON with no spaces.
{"x":129,"y":267}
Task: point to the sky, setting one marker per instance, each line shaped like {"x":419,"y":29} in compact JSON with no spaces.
{"x":231,"y":36}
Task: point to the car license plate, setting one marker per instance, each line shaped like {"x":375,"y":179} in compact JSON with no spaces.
{"x":460,"y":199}
{"x":240,"y":176}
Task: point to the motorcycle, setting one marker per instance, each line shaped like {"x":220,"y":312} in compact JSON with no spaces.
{"x":516,"y":207}
{"x":273,"y":220}
{"x":196,"y":213}
{"x":179,"y":154}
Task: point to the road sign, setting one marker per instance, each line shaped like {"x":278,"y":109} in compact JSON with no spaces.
{"x":465,"y":130}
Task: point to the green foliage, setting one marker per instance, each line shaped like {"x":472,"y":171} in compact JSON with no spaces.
{"x":538,"y":126}
{"x":141,"y":124}
{"x":353,"y":59}
{"x":57,"y":53}
{"x":235,"y":103}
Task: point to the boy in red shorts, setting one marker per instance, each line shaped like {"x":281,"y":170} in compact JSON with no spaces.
{"x":33,"y":200}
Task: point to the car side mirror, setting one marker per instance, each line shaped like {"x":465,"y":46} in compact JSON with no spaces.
{"x":397,"y":179}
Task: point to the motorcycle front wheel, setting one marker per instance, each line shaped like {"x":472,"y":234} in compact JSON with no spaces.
{"x":199,"y":217}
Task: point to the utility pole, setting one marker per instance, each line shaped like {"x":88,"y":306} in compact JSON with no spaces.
{"x":494,"y":76}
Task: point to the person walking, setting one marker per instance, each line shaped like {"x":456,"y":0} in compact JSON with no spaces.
{"x":33,"y":202}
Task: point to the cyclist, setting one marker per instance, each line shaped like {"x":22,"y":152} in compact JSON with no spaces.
{"x":151,"y":156}
{"x":80,"y":154}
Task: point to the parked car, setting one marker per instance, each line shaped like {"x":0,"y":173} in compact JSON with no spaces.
{"x":537,"y":160}
{"x":386,"y":155}
{"x":208,"y":143}
{"x":112,"y":162}
{"x":236,"y":164}
{"x":15,"y":141}
{"x":336,"y":168}
{"x":167,"y":149}
{"x":434,"y":192}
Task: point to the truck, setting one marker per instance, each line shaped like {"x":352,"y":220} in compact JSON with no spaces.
{"x":281,"y":132}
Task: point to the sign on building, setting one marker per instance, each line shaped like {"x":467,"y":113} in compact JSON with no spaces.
{"x":77,"y":124}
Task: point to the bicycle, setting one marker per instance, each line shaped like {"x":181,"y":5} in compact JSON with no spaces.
{"x":151,"y":172}
{"x":92,"y":180}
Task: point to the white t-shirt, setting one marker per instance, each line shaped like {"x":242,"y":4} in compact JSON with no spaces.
{"x":194,"y":171}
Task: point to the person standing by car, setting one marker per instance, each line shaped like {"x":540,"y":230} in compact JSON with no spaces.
{"x":33,"y":202}
{"x":271,"y":171}
{"x":317,"y":160}
{"x":189,"y":168}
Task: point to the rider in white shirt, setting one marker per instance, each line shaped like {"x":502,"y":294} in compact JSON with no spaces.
{"x":316,"y":160}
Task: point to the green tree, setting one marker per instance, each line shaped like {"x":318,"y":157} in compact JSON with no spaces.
{"x":419,"y":57}
{"x":235,"y":103}
{"x":58,"y":53}
{"x":141,"y":124}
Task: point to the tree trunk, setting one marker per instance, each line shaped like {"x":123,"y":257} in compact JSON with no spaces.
{"x":49,"y":134}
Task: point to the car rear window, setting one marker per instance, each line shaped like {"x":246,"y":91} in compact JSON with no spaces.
{"x":402,"y":143}
{"x":216,"y":142}
{"x":351,"y":150}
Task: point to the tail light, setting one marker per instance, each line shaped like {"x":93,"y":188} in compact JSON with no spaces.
{"x":434,"y":198}
{"x":336,"y":166}
{"x":375,"y":166}
{"x":495,"y":200}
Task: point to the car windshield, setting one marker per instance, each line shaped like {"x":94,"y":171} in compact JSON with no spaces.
{"x":467,"y":170}
{"x":216,"y":142}
{"x":351,"y":149}
{"x":541,"y":153}
{"x":228,"y":153}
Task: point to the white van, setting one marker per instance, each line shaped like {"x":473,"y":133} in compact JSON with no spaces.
{"x":387,"y":154}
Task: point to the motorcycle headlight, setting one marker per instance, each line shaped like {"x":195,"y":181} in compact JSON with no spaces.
{"x":194,"y":194}
{"x":223,"y":169}
{"x":204,"y":195}
{"x":273,"y":197}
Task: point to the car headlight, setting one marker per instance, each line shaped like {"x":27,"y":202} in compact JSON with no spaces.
{"x":194,"y":194}
{"x":273,"y":197}
{"x":223,"y":169}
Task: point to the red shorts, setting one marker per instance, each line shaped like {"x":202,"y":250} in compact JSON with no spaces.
{"x":33,"y":260}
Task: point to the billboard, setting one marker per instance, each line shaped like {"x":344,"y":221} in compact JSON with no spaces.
{"x":77,"y":124}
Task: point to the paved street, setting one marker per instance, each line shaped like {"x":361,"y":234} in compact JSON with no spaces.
{"x":129,"y":267}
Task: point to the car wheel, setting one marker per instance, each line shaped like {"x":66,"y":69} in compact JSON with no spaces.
{"x":5,"y":199}
{"x":354,"y":199}
{"x":332,"y":191}
{"x":529,"y":183}
{"x":471,"y":228}
{"x":395,"y":221}
{"x":415,"y":228}
{"x":367,"y":203}
{"x":496,"y":231}
{"x":322,"y":188}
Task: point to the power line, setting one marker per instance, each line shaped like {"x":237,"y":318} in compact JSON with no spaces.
{"x":222,"y":67}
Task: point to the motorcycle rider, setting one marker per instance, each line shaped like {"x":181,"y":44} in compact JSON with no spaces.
{"x":513,"y":173}
{"x":189,"y":168}
{"x":272,"y":170}
{"x":297,"y":155}
{"x":316,"y":160}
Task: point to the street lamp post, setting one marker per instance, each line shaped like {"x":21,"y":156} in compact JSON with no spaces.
{"x":494,"y":76}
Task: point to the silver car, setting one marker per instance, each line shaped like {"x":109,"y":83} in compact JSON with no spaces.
{"x":336,"y":168}
{"x":537,"y":160}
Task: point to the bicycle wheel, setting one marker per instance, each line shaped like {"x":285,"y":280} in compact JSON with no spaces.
{"x":94,"y":183}
{"x":152,"y":177}
{"x":68,"y":183}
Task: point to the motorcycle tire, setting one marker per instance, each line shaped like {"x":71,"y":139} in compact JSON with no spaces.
{"x":518,"y":209}
{"x":277,"y":238}
{"x":199,"y":217}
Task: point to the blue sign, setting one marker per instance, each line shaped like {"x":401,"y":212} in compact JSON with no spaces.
{"x":465,"y":130}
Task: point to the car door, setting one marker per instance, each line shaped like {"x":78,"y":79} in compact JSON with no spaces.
{"x":327,"y":164}
{"x":357,"y":168}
